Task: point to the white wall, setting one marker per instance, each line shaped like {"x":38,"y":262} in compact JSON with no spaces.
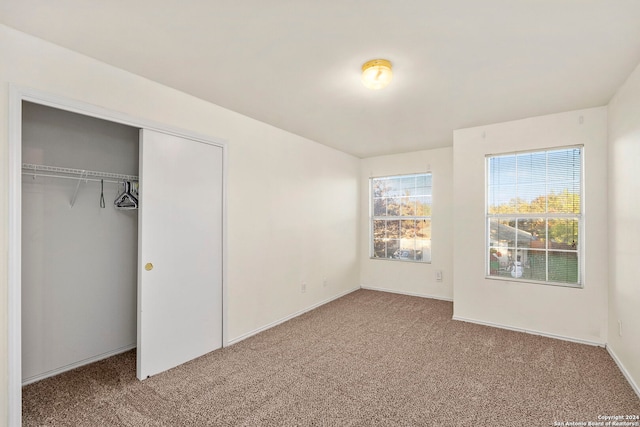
{"x":292,"y":219}
{"x":79,"y":269}
{"x":579,"y":314}
{"x":408,"y":277}
{"x":292,"y":204}
{"x":624,"y":226}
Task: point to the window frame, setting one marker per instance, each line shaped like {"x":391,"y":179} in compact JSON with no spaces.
{"x":580,"y":251}
{"x":373,"y":218}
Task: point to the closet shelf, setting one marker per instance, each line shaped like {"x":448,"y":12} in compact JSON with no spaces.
{"x":79,"y":174}
{"x":85,"y":175}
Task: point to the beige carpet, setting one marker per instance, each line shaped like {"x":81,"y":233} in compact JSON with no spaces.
{"x":367,"y":359}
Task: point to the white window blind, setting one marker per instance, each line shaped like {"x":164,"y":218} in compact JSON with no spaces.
{"x":534,"y":216}
{"x":401,"y":217}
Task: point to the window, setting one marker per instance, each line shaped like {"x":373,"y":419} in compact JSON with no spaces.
{"x":534,"y":216}
{"x":401,"y":217}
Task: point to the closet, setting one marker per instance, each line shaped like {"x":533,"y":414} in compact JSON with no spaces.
{"x":121,"y":244}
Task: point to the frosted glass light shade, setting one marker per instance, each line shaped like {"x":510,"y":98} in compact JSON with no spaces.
{"x":376,"y":73}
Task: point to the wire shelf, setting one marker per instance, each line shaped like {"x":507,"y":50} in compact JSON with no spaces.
{"x":75,"y":173}
{"x":79,"y":174}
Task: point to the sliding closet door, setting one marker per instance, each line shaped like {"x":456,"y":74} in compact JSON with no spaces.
{"x":180,"y":251}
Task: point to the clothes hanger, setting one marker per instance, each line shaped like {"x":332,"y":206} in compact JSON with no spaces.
{"x":126,"y":200}
{"x":102,"y":205}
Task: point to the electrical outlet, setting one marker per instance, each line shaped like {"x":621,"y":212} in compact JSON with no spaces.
{"x":303,"y":287}
{"x":620,"y":327}
{"x":439,"y":275}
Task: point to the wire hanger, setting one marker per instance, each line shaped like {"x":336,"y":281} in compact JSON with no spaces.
{"x":102,"y":204}
{"x":126,"y":200}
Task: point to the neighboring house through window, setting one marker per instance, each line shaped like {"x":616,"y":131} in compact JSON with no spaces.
{"x":534,"y":218}
{"x":401,"y":217}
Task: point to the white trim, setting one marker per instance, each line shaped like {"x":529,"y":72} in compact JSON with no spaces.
{"x":78,"y":364}
{"x":225,"y":246}
{"x":289,"y":317}
{"x":62,"y":103}
{"x":411,"y":294}
{"x":531,"y":331}
{"x":624,"y":371}
{"x":18,"y":94}
{"x":14,"y":264}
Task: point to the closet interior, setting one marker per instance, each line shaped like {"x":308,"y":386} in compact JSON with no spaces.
{"x":79,"y":239}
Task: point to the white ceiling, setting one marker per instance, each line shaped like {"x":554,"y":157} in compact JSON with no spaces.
{"x":296,"y":63}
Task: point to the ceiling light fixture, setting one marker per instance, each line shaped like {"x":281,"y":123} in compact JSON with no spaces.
{"x":376,"y":73}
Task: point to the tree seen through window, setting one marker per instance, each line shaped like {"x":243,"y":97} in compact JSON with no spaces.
{"x":401,"y":217}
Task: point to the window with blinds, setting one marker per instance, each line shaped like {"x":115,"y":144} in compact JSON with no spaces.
{"x":401,"y":218}
{"x":534,"y":216}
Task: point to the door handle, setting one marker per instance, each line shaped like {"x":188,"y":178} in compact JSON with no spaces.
{"x":148,"y":266}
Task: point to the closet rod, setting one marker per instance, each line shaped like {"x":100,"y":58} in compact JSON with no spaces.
{"x":84,"y":175}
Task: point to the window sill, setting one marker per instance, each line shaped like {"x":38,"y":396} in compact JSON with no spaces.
{"x":536,"y":282}
{"x":410,"y":261}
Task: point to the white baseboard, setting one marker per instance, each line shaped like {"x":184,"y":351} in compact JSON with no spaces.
{"x":75,"y":365}
{"x":624,"y":371}
{"x":289,"y":317}
{"x":531,"y":331}
{"x":412,"y":294}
